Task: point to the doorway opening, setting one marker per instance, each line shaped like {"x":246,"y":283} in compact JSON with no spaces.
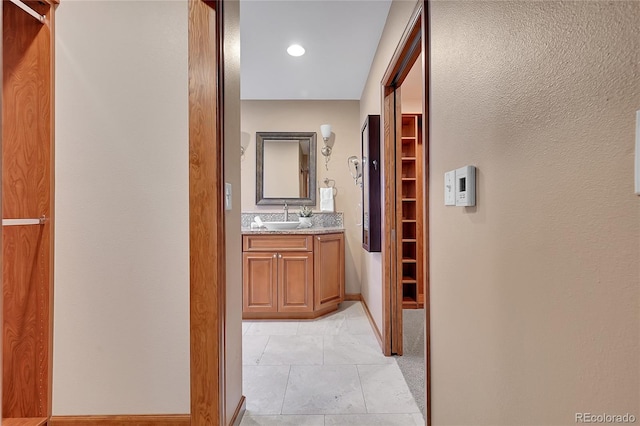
{"x":405,"y":264}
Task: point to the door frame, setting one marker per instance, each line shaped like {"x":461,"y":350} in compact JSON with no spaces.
{"x":207,"y":242}
{"x":414,"y":40}
{"x":206,"y":201}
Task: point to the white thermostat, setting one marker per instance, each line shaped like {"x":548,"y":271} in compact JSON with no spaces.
{"x":466,"y":186}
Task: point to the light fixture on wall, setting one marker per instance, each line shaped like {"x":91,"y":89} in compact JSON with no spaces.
{"x":325,"y":129}
{"x":355,"y":168}
{"x":245,"y":139}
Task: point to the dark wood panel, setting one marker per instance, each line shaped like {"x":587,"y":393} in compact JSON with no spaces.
{"x":27,"y":192}
{"x":206,"y":217}
{"x":371,"y":168}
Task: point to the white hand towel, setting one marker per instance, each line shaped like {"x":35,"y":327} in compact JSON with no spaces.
{"x":326,"y":200}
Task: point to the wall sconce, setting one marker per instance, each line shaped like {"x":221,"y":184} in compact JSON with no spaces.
{"x":355,"y":168}
{"x":245,"y":139}
{"x":325,"y":129}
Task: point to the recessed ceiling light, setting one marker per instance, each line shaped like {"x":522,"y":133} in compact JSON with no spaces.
{"x":295,"y":50}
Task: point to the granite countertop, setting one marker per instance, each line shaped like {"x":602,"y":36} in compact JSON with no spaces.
{"x":308,"y":231}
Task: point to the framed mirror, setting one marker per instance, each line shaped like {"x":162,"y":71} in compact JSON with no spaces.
{"x":286,"y":168}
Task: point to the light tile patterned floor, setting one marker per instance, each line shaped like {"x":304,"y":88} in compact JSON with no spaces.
{"x":324,"y":372}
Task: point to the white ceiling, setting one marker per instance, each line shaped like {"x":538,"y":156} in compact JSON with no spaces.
{"x":340,"y":38}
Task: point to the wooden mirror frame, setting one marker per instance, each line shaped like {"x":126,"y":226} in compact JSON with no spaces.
{"x":285,"y":136}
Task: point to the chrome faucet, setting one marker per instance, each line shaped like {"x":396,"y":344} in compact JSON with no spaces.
{"x":286,"y":212}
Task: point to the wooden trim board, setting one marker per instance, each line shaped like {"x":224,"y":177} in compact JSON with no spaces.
{"x":353,"y":297}
{"x":376,"y":331}
{"x":206,"y":215}
{"x":122,"y":420}
{"x":426,"y":49}
{"x":28,"y":421}
{"x":239,"y":413}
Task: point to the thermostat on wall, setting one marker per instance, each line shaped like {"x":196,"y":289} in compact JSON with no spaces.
{"x":466,"y":186}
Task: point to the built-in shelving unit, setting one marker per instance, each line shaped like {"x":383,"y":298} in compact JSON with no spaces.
{"x":410,"y":201}
{"x":27,"y":210}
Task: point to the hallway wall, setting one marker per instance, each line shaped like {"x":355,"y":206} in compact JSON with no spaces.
{"x":233,"y":255}
{"x":121,"y":338}
{"x":535,"y":291}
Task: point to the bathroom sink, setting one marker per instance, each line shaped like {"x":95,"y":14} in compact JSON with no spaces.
{"x":279,"y":226}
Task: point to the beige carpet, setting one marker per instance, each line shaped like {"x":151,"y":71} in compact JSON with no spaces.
{"x":411,"y":363}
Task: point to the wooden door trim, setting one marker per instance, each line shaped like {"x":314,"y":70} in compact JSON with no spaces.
{"x":426,"y":77}
{"x":206,"y":213}
{"x":415,"y":40}
{"x":401,"y":62}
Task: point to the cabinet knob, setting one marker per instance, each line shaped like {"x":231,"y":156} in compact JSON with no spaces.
{"x":274,"y":255}
{"x":280,"y":256}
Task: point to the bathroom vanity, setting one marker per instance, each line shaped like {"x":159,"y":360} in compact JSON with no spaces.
{"x":292,"y":274}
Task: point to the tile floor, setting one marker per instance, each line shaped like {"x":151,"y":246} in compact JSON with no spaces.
{"x":328,"y":371}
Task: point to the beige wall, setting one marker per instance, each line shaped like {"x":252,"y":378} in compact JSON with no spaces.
{"x":535,"y":291}
{"x":121,"y":314}
{"x":307,"y":116}
{"x":233,"y":332}
{"x":371,"y":103}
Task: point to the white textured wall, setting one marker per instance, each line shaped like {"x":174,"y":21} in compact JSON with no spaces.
{"x":121,"y":338}
{"x":535,"y":292}
{"x":307,"y":116}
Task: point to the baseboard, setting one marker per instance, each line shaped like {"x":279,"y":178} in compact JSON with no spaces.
{"x":123,"y":420}
{"x":352,"y":297}
{"x":239,"y":413}
{"x":373,"y":324}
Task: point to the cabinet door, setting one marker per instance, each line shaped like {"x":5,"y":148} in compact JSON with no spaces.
{"x":328,"y":270}
{"x":295,"y":282}
{"x":259,"y":281}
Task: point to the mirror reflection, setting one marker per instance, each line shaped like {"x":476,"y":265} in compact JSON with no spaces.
{"x":285,"y":168}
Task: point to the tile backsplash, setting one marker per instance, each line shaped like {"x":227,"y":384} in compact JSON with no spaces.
{"x":319,"y":219}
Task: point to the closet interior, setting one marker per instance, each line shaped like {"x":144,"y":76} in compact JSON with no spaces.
{"x":409,"y":208}
{"x":27,"y":210}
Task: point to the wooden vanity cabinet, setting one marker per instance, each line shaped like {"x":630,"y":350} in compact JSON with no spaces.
{"x":329,"y":271}
{"x":292,"y":276}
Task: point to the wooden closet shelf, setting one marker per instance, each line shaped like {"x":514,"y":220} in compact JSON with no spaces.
{"x":409,"y":280}
{"x":409,"y":303}
{"x":409,"y":261}
{"x":27,"y":421}
{"x":409,"y":240}
{"x":408,"y":199}
{"x":408,"y":178}
{"x":408,"y":158}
